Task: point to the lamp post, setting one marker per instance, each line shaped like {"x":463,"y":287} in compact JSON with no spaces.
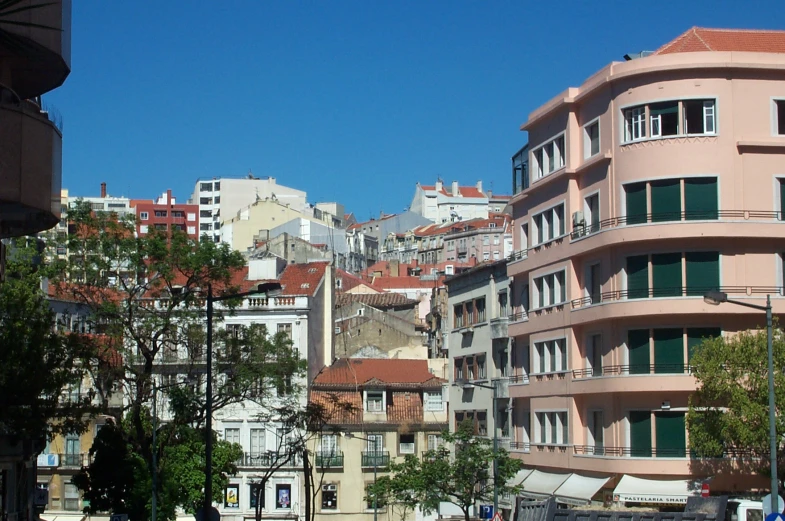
{"x":268,"y":288}
{"x":375,"y":464}
{"x":464,"y":384}
{"x":715,"y":298}
{"x":155,"y":456}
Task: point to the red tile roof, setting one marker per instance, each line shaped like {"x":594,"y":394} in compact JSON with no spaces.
{"x":375,"y":300}
{"x":350,"y":281}
{"x":389,"y":283}
{"x":465,"y":191}
{"x":344,"y":407}
{"x":404,"y":406}
{"x":700,"y":39}
{"x":356,"y":372}
{"x":303,"y":279}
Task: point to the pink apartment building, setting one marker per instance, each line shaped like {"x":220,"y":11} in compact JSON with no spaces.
{"x":658,"y":179}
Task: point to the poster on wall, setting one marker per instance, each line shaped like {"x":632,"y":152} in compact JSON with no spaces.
{"x":232,"y":496}
{"x":283,"y":496}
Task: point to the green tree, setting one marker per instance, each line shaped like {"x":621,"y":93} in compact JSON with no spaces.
{"x":462,"y":475}
{"x":147,"y":292}
{"x":37,"y":365}
{"x":729,"y":412}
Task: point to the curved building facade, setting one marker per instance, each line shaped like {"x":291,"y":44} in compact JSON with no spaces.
{"x":657,"y":180}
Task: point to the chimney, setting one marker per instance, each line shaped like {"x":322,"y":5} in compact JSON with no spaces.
{"x":455,"y":189}
{"x":394,"y":268}
{"x":479,"y":186}
{"x":438,"y":185}
{"x":103,"y":189}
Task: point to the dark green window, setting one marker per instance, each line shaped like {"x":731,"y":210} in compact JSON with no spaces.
{"x":700,"y":198}
{"x":638,"y":347}
{"x":703,"y":272}
{"x":671,"y":434}
{"x":638,"y":276}
{"x":782,"y":199}
{"x":666,"y":200}
{"x":666,"y":275}
{"x":636,"y":203}
{"x":640,"y":434}
{"x":695,"y":336}
{"x":668,"y":350}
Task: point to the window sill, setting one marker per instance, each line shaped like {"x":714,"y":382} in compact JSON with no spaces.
{"x":773,"y":142}
{"x":549,"y":308}
{"x":666,"y":138}
{"x":589,"y":162}
{"x":548,"y":243}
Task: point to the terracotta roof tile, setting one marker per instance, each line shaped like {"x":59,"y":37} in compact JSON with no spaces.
{"x":465,"y":191}
{"x":375,"y":300}
{"x":302,"y":279}
{"x":359,"y":371}
{"x":699,"y":39}
{"x":389,"y":283}
{"x":404,"y":406}
{"x":340,"y":406}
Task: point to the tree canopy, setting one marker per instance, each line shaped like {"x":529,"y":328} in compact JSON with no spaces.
{"x":729,"y":413}
{"x":459,"y":472}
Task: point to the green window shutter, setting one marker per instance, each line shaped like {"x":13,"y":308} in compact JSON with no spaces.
{"x":700,"y":198}
{"x":666,"y":275}
{"x":703,"y":272}
{"x":638,"y":276}
{"x":640,"y":434}
{"x":782,"y":199}
{"x":695,"y":336}
{"x":668,"y":350}
{"x":670,"y":434}
{"x":666,"y":200}
{"x":638,"y":347}
{"x":636,"y":203}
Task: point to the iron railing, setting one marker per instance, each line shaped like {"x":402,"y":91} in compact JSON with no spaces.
{"x":377,"y":459}
{"x":671,"y":292}
{"x":523,"y":446}
{"x":662,"y":452}
{"x":329,"y":459}
{"x":268,"y":459}
{"x":632,"y":369}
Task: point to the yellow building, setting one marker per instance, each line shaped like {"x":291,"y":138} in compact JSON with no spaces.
{"x":395,"y":409}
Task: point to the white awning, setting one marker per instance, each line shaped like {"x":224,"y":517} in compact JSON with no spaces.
{"x":519,"y":477}
{"x":638,"y":490}
{"x":62,"y":517}
{"x":539,"y":484}
{"x":579,"y":489}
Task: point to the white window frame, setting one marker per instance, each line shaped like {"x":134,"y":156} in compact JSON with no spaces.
{"x":550,"y":157}
{"x":548,"y":349}
{"x":143,"y":216}
{"x":550,"y":423}
{"x":774,"y":116}
{"x":634,"y":123}
{"x":143,"y":228}
{"x":587,"y":152}
{"x":549,"y":218}
{"x":434,"y":402}
{"x":552,"y":291}
{"x":368,"y":401}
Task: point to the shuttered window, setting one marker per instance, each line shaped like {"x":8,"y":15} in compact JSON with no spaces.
{"x":696,"y":335}
{"x":638,"y":276}
{"x":636,"y":203}
{"x":666,"y":275}
{"x":640,"y":434}
{"x":668,"y":350}
{"x":666,"y":200}
{"x":703,"y":272}
{"x":638,"y":347}
{"x":670,"y":434}
{"x":700,"y":198}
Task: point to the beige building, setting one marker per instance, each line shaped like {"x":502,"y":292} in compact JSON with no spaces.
{"x":397,"y":409}
{"x":241,"y":228}
{"x":658,"y":179}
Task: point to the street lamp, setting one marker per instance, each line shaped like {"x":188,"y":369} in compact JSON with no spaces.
{"x":715,"y":298}
{"x":270,"y":289}
{"x":465,"y":384}
{"x":375,"y":463}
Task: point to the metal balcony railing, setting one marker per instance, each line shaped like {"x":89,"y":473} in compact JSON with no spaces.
{"x":626,"y":370}
{"x":672,"y":292}
{"x":268,"y":459}
{"x":377,"y":459}
{"x":520,"y":446}
{"x":74,"y":460}
{"x":329,"y":459}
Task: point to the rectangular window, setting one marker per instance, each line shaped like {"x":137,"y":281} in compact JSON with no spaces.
{"x":591,"y":139}
{"x":470,"y":368}
{"x":551,"y":355}
{"x":597,"y":432}
{"x":696,"y":336}
{"x":459,"y":373}
{"x":640,"y":434}
{"x":481,"y":374}
{"x":406,"y":444}
{"x":329,"y":496}
{"x":700,"y":198}
{"x":594,"y":354}
{"x":160,"y":213}
{"x":703,"y":272}
{"x":664,"y":118}
{"x":503,"y":304}
{"x":699,"y":117}
{"x":232,"y":435}
{"x":205,"y":213}
{"x":479,"y":306}
{"x":457,"y":316}
{"x":375,"y":443}
{"x":549,"y":157}
{"x":285,"y":328}
{"x":256,"y":495}
{"x":666,"y":275}
{"x":593,"y":283}
{"x":636,"y":202}
{"x":550,"y":289}
{"x":144,"y":216}
{"x":668,"y":350}
{"x":283,"y":496}
{"x":779,"y":109}
{"x":71,"y":499}
{"x":637,"y":276}
{"x":670,"y":434}
{"x":206,"y":187}
{"x":433,"y":401}
{"x":638,"y":351}
{"x":591,"y":208}
{"x":374,"y":401}
{"x":634,"y":124}
{"x":257,"y":441}
{"x":666,"y":200}
{"x":434,"y":441}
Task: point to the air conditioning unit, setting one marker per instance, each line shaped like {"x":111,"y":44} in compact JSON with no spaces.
{"x":578,"y":220}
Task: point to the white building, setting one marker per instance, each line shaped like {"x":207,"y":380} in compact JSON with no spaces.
{"x":443,"y":204}
{"x":222,"y":197}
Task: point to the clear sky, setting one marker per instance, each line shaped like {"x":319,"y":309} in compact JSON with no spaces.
{"x":351,"y":101}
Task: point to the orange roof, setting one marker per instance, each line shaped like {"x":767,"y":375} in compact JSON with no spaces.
{"x":350,"y":281}
{"x":700,"y":39}
{"x":375,"y":300}
{"x":302,"y":279}
{"x":380,"y":371}
{"x":401,"y":282}
{"x":465,"y":191}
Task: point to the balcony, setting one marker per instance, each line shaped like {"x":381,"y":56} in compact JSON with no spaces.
{"x":378,"y":459}
{"x":31,"y":155}
{"x":675,"y":292}
{"x":269,"y":459}
{"x":74,"y":460}
{"x":331,"y":460}
{"x":520,"y":446}
{"x":627,"y":370}
{"x":37,"y":50}
{"x":499,"y":327}
{"x":502,"y":386}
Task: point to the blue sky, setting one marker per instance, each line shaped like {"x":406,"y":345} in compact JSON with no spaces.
{"x":353,"y":101}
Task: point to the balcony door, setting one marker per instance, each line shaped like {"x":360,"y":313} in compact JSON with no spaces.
{"x":594,"y":354}
{"x":375,"y":443}
{"x":597,"y":432}
{"x":593,"y":283}
{"x":640,"y":434}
